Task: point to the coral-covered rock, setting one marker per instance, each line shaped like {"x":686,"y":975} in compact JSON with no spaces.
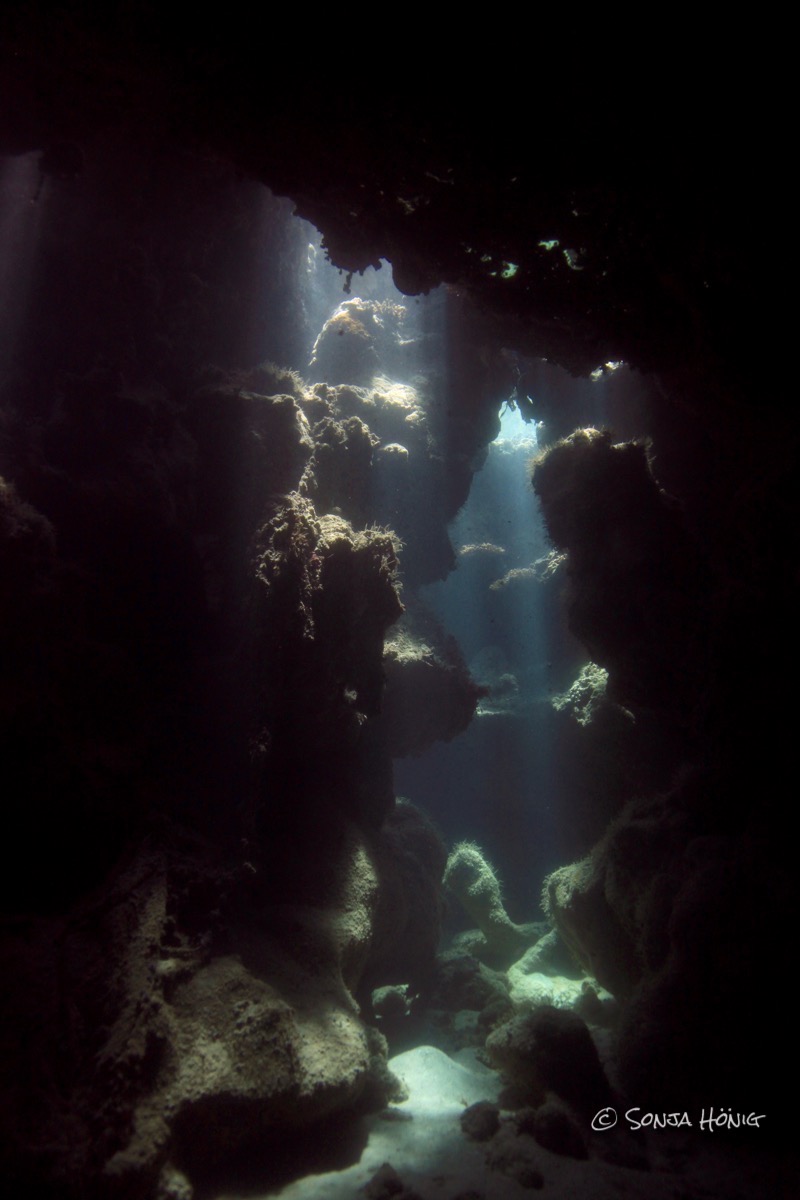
{"x":555,"y":1127}
{"x":574,"y":899}
{"x":409,"y":857}
{"x":190,"y":1020}
{"x":326,"y":594}
{"x":701,"y":923}
{"x":517,"y":1156}
{"x":429,"y":695}
{"x":379,"y":459}
{"x":480,"y":1121}
{"x":530,"y":989}
{"x":386,"y":1184}
{"x":667,"y":917}
{"x":550,"y":1050}
{"x":339,"y":477}
{"x":391,"y":1004}
{"x":585,"y":699}
{"x":613,"y":908}
{"x":637,"y":589}
{"x":263,"y":441}
{"x":462,"y":981}
{"x":550,"y":956}
{"x":470,"y":877}
{"x":359,"y":339}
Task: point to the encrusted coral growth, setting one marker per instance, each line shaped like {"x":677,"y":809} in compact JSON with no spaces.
{"x":550,"y":1050}
{"x":253,"y":444}
{"x":325,"y":595}
{"x":340,"y":473}
{"x":187,"y":1018}
{"x":470,"y":877}
{"x":636,"y":599}
{"x":376,"y":459}
{"x":585,"y":696}
{"x":359,"y":339}
{"x":409,"y":858}
{"x":574,"y":899}
{"x":200,"y":570}
{"x":429,"y":693}
{"x":383,"y":367}
{"x":670,"y":919}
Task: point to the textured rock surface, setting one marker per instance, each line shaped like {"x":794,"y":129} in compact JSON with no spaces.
{"x":574,"y":898}
{"x":325,"y":595}
{"x":464,"y":982}
{"x":429,"y":693}
{"x":637,"y":586}
{"x":555,"y":1127}
{"x":190,"y":1018}
{"x":470,"y":877}
{"x":517,"y":1156}
{"x":550,"y":1050}
{"x":667,"y":918}
{"x":408,"y":857}
{"x":530,"y":989}
{"x":480,"y":1121}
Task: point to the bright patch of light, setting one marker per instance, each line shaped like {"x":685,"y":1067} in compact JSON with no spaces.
{"x":607,"y":368}
{"x":516,"y":431}
{"x":325,"y":286}
{"x":548,"y":245}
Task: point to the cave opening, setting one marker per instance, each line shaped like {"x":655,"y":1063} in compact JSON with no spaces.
{"x":496,"y":780}
{"x":243,"y":510}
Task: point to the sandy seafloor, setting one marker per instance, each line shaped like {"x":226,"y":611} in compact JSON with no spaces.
{"x":422,"y":1140}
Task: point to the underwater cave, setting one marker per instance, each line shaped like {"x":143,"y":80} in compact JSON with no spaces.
{"x":394,"y":584}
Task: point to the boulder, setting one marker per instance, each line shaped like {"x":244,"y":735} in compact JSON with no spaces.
{"x":550,"y":1050}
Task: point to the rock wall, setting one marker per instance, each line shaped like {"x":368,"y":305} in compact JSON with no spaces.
{"x":664,"y":910}
{"x":201,"y":565}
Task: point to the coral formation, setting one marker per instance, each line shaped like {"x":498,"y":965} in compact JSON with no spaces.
{"x":554,"y":1127}
{"x":575,"y":901}
{"x":636,"y":596}
{"x":220,"y":1016}
{"x":386,"y":1184}
{"x":358,"y":340}
{"x":470,"y":877}
{"x":516,"y":1156}
{"x":409,"y":858}
{"x":550,"y":1050}
{"x":462,"y":981}
{"x":480,"y":1121}
{"x":585,"y":696}
{"x":226,"y":553}
{"x":659,"y":914}
{"x":529,"y":989}
{"x":429,"y":693}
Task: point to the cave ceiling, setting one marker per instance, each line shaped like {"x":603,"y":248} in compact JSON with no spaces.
{"x":587,"y":227}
